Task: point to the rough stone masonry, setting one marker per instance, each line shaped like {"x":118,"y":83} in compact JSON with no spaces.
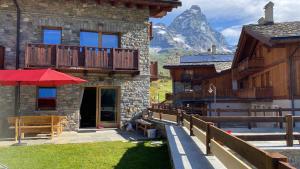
{"x":74,"y":16}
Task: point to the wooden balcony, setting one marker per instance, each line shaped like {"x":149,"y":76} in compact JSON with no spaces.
{"x":199,"y":95}
{"x":249,"y":66}
{"x":76,"y":58}
{"x":256,"y":93}
{"x":154,"y":71}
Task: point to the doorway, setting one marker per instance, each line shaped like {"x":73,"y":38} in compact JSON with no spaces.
{"x":88,"y":108}
{"x":109,"y":106}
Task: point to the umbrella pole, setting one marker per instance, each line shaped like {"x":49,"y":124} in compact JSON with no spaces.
{"x":19,"y":112}
{"x":18,"y":108}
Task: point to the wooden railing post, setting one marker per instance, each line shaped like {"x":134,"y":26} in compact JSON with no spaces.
{"x":56,"y":57}
{"x":273,"y":159}
{"x":112,"y":54}
{"x":208,"y":138}
{"x":191,"y":125}
{"x":160,"y":116}
{"x":289,"y":130}
{"x":280,"y":115}
{"x":249,"y":115}
{"x":179,"y":114}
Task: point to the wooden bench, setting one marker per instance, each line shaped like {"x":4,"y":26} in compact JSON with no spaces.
{"x":37,"y":125}
{"x":143,"y":125}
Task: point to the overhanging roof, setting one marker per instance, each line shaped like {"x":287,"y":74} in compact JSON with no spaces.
{"x":158,"y":8}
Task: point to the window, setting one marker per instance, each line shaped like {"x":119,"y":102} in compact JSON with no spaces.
{"x":103,"y":40}
{"x":110,"y":40}
{"x":46,"y":99}
{"x":52,"y":36}
{"x":90,"y":39}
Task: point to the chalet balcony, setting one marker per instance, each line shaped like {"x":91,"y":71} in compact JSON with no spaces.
{"x":76,"y":58}
{"x":249,"y":66}
{"x":256,"y":93}
{"x":199,"y":95}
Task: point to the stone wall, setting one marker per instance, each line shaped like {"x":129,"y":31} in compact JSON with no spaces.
{"x":74,"y":16}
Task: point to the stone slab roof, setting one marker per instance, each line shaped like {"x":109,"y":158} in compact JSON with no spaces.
{"x":276,"y":31}
{"x":220,"y":66}
{"x":206,"y":58}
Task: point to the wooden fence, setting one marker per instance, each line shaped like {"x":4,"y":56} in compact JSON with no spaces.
{"x":218,"y":142}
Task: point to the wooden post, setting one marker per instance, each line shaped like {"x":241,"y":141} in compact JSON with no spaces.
{"x":179,"y":122}
{"x":208,"y":138}
{"x":280,"y":115}
{"x":219,"y":114}
{"x":191,"y":125}
{"x":113,"y":57}
{"x":160,"y":116}
{"x":289,"y":130}
{"x":52,"y":127}
{"x":16,"y":128}
{"x":249,"y":115}
{"x":273,"y":160}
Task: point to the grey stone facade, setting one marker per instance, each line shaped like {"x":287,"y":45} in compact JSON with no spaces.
{"x":74,"y":16}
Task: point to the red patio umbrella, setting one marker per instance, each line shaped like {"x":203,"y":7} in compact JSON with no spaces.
{"x":39,"y":77}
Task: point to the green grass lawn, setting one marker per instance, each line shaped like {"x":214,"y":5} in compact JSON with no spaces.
{"x":159,"y":89}
{"x":102,"y":155}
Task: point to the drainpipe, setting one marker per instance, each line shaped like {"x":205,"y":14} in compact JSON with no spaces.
{"x":17,"y":88}
{"x":292,"y":79}
{"x":18,"y":34}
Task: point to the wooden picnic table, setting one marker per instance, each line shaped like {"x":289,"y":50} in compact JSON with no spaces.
{"x":37,"y":125}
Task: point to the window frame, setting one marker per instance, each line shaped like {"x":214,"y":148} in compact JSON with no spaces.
{"x":100,"y":34}
{"x":38,"y":97}
{"x":51,"y":28}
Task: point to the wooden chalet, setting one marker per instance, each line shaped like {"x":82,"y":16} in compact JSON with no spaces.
{"x":265,"y":71}
{"x":193,"y":75}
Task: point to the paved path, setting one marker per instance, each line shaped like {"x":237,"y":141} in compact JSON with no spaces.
{"x":188,"y":152}
{"x":82,"y":136}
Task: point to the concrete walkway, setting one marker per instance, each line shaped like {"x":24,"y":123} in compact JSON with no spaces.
{"x":82,"y":136}
{"x":188,"y":152}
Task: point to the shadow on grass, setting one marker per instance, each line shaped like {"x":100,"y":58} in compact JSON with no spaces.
{"x":145,"y":156}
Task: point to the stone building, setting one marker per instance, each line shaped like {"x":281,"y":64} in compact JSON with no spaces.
{"x":104,"y":42}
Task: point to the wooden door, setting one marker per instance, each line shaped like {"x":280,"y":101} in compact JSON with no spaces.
{"x":109,"y":107}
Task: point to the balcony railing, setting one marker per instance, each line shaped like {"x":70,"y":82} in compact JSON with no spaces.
{"x":248,"y":64}
{"x":198,"y":95}
{"x":256,"y":93}
{"x":77,"y":57}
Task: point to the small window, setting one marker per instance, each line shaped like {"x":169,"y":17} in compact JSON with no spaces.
{"x":46,"y":98}
{"x":52,"y":36}
{"x":90,"y":39}
{"x":110,"y":40}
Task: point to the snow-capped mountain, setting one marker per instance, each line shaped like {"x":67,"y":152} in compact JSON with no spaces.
{"x":189,"y":31}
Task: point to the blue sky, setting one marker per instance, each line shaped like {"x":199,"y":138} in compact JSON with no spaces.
{"x":228,"y":16}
